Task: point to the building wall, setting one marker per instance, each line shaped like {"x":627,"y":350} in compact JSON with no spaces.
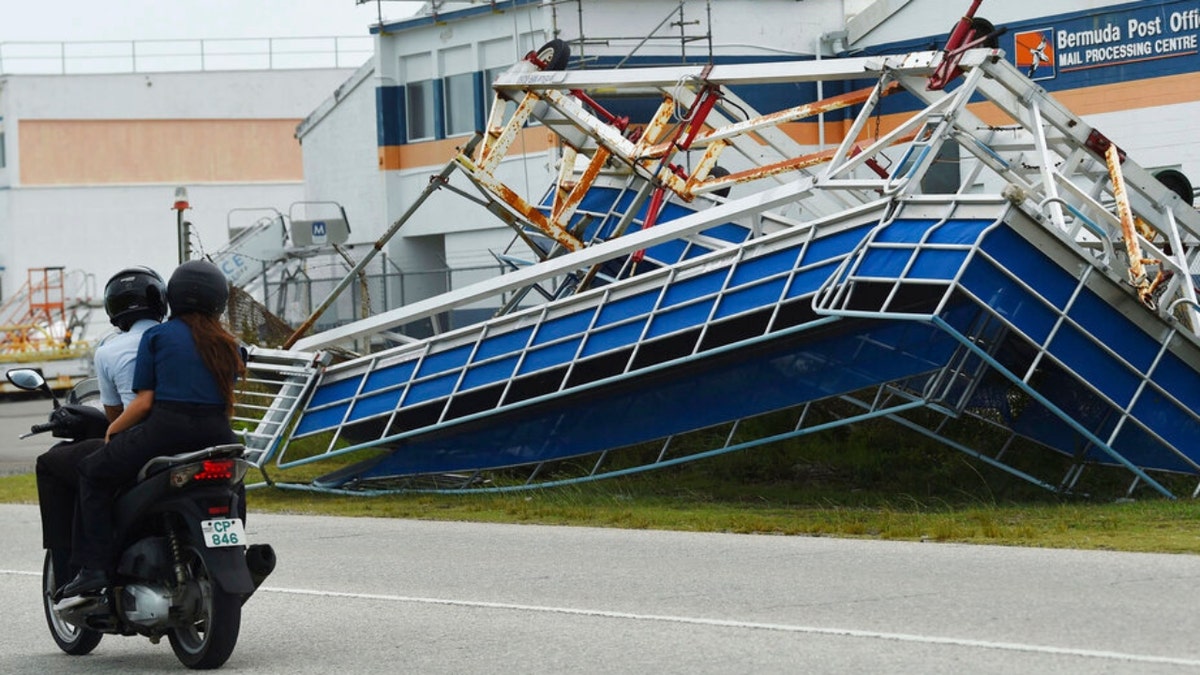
{"x":339,"y":156}
{"x":439,"y":58}
{"x":101,"y":230}
{"x":92,"y":162}
{"x":886,"y":21}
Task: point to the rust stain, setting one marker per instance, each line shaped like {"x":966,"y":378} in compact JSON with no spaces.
{"x":586,"y":179}
{"x":534,"y":216}
{"x":1137,"y":272}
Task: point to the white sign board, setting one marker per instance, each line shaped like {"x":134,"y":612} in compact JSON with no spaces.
{"x":320,"y":232}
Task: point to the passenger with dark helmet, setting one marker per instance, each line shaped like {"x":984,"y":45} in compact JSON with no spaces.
{"x":135,"y":299}
{"x":184,"y":383}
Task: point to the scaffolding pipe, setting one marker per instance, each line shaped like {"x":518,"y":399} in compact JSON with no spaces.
{"x":434,"y":183}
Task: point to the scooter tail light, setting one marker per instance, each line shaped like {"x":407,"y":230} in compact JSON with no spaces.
{"x":208,"y":471}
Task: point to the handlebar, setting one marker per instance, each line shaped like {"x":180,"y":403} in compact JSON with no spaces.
{"x":73,"y":421}
{"x":39,"y":429}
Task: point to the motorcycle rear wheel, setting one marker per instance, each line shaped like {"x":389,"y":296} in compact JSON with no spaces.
{"x":209,"y":640}
{"x":70,"y":638}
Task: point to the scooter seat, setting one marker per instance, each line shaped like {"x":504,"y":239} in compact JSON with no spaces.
{"x":165,"y":462}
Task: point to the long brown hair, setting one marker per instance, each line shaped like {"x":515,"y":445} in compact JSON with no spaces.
{"x":219,"y":350}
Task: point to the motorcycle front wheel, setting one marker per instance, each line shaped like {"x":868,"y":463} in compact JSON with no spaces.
{"x":208,"y":639}
{"x":70,"y":638}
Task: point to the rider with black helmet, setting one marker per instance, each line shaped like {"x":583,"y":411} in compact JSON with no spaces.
{"x":135,"y":299}
{"x":184,"y":377}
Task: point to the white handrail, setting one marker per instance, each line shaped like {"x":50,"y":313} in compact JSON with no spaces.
{"x":215,"y":54}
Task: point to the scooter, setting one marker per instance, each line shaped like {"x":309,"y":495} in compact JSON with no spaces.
{"x":184,"y":570}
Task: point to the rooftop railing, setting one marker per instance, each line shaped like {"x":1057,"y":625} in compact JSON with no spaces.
{"x":155,"y":56}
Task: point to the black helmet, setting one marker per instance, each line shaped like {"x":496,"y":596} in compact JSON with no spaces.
{"x":197,"y":286}
{"x":135,"y":293}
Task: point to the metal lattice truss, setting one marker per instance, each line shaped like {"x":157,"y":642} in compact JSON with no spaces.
{"x":1034,"y":151}
{"x":638,"y":207}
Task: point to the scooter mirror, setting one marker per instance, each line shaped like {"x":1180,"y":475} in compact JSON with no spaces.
{"x":26,"y":378}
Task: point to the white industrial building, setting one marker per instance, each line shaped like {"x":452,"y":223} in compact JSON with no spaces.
{"x":90,"y":160}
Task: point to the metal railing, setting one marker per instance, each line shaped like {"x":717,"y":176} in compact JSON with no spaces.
{"x":154,"y":56}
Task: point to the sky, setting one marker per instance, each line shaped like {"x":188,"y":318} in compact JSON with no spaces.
{"x":94,"y":20}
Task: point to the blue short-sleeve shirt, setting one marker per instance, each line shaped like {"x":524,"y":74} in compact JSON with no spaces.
{"x":168,"y":364}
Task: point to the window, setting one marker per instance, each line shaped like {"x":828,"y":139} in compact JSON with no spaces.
{"x":418,"y":106}
{"x":491,"y":75}
{"x":460,"y":104}
{"x":1,"y":149}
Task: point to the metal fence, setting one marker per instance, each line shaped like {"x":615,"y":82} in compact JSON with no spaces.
{"x":267,"y":315}
{"x":155,"y":56}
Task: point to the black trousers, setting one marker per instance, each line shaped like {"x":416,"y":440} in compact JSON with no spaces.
{"x":170,"y":429}
{"x":57,"y":472}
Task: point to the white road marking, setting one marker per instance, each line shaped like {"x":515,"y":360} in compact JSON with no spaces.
{"x":729,"y":623}
{"x":752,"y":625}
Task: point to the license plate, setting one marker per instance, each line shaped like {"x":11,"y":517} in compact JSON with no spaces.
{"x":223,"y":532}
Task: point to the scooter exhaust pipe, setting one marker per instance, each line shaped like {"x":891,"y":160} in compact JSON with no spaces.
{"x":260,"y":560}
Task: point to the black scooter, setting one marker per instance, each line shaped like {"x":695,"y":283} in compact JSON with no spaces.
{"x":184,"y":569}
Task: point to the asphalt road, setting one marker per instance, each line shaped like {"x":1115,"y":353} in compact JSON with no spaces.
{"x":375,"y":595}
{"x":16,"y":416}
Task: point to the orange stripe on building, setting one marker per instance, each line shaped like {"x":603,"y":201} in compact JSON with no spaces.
{"x":1124,"y":96}
{"x":1119,"y":97}
{"x":428,"y":154}
{"x":84,"y":152}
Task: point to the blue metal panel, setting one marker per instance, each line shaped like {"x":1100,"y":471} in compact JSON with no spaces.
{"x":376,"y":404}
{"x":750,"y":297}
{"x":833,"y":245}
{"x":884,"y":262}
{"x":322,"y":419}
{"x":624,"y":308}
{"x":503,"y":343}
{"x":1030,"y":266}
{"x":694,"y":287}
{"x":907,"y":231}
{"x":698,"y":396}
{"x":687,"y":316}
{"x":730,"y":232}
{"x":571,"y":324}
{"x":754,"y":269}
{"x":809,"y":280}
{"x":390,"y":125}
{"x":958,"y":231}
{"x":668,"y":251}
{"x":1082,"y":355}
{"x":553,"y":355}
{"x":622,"y":335}
{"x":389,"y":375}
{"x":490,"y":372}
{"x":937,"y":264}
{"x":1114,"y":330}
{"x":1009,"y":300}
{"x":808,"y":362}
{"x":439,"y":362}
{"x":439,"y":108}
{"x":1180,"y":380}
{"x":427,"y":390}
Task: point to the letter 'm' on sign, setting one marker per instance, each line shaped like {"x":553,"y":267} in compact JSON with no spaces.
{"x":319,"y":232}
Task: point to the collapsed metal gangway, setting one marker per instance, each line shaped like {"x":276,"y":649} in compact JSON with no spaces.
{"x":1047,"y":293}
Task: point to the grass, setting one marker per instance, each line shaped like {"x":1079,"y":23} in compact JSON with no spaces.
{"x":866,"y":482}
